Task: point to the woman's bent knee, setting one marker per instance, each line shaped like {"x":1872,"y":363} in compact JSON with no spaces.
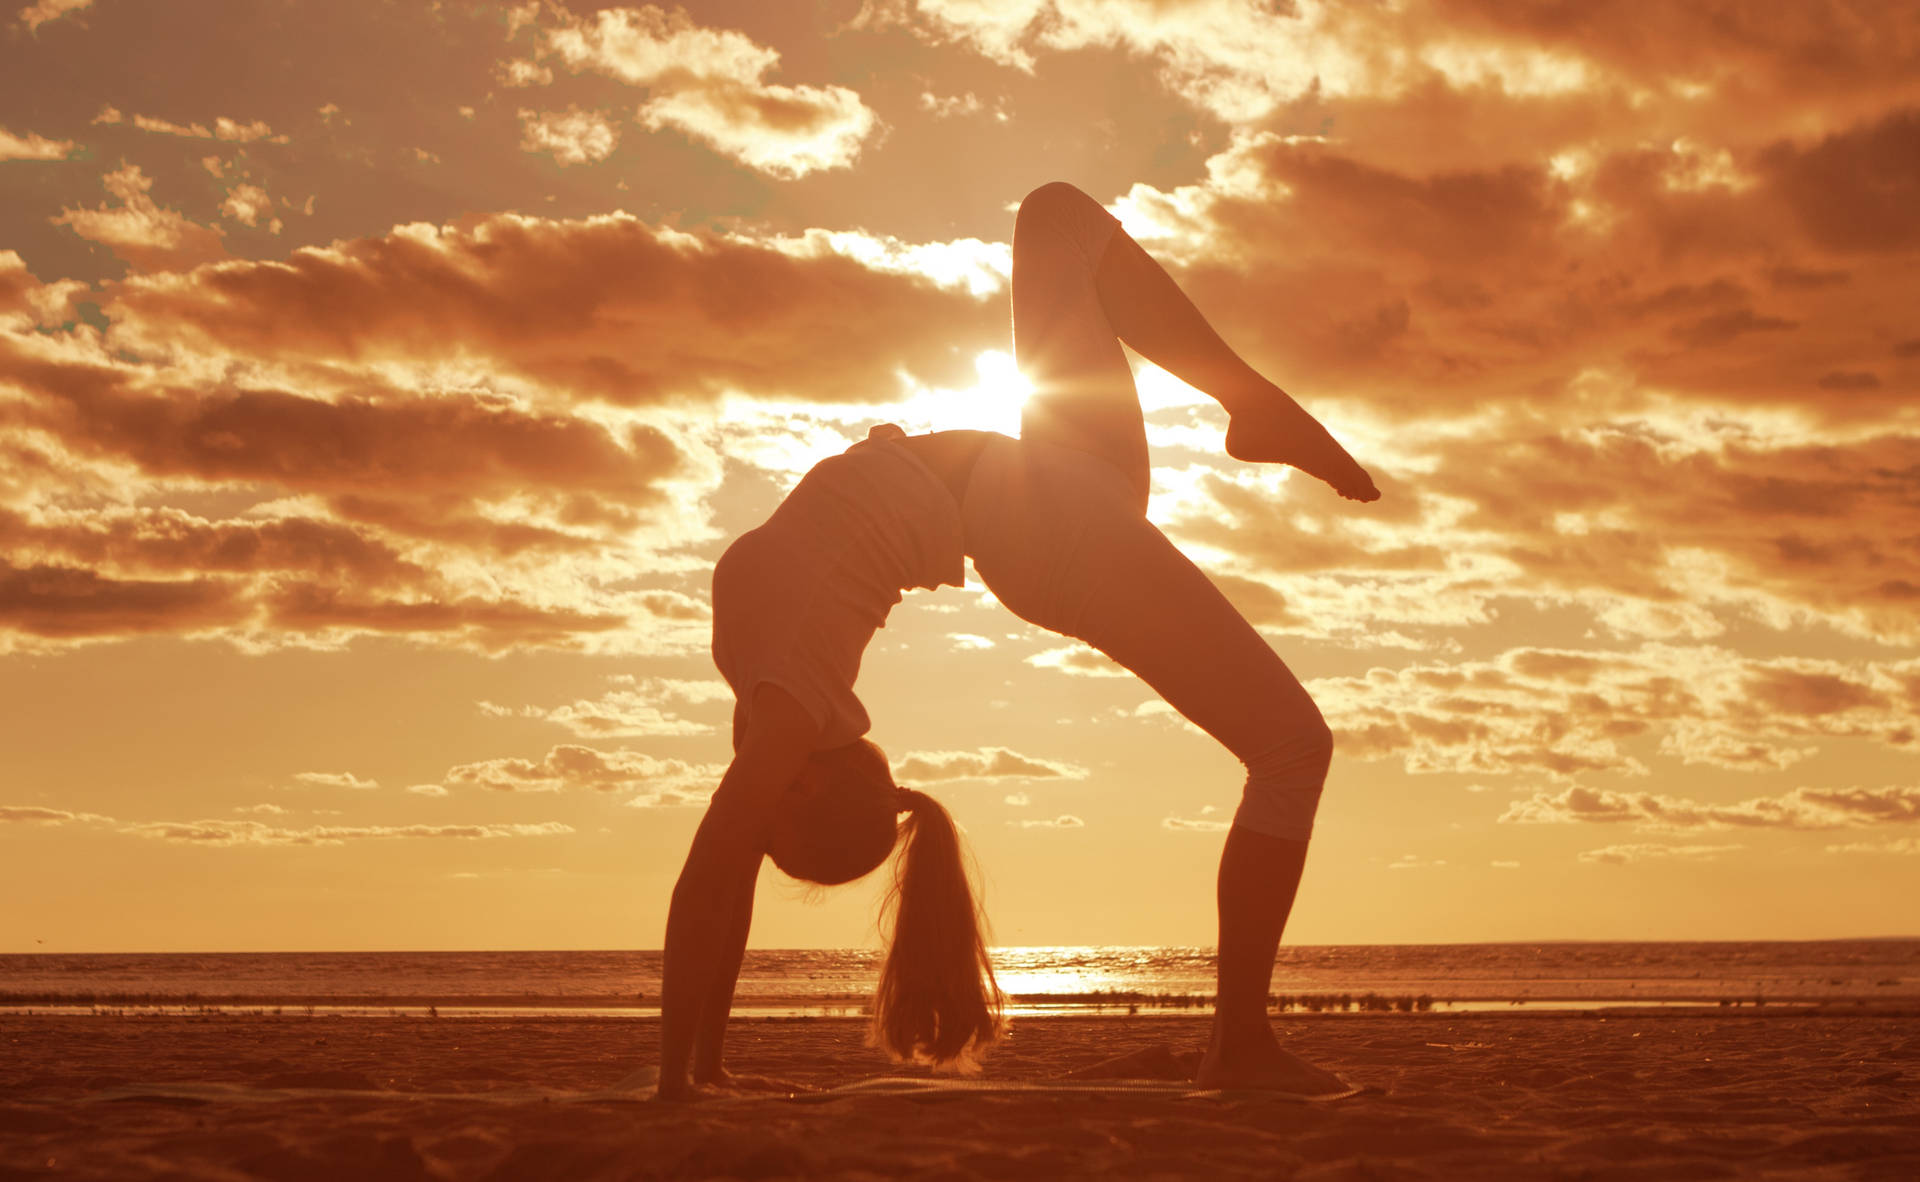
{"x":1284,"y":781}
{"x":1054,"y":195}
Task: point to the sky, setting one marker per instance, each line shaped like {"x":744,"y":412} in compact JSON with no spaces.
{"x":379,"y":383}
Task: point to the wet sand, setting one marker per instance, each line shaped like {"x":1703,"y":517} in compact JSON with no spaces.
{"x":1776,"y":1095}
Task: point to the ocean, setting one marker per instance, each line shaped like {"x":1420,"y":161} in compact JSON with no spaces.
{"x":1038,"y":980}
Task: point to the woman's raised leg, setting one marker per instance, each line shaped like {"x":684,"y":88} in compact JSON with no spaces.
{"x":1083,"y":395}
{"x":1080,"y":284}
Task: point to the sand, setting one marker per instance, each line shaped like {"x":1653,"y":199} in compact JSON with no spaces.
{"x":1775,"y":1095}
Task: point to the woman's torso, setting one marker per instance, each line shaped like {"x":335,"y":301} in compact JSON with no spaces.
{"x":797,"y":600}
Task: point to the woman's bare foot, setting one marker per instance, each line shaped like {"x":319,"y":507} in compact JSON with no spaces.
{"x":1274,"y":429}
{"x":1256,"y":1062}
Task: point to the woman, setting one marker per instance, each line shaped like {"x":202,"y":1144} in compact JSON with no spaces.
{"x":1055,"y":524}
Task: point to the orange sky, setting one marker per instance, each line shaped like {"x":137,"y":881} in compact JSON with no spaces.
{"x":378,"y":385}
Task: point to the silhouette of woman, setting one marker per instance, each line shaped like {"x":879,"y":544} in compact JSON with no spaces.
{"x":1055,"y":524}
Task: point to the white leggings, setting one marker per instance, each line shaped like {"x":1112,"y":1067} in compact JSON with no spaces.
{"x":1055,"y":523}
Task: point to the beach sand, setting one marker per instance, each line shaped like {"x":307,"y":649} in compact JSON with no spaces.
{"x":1627,"y":1095}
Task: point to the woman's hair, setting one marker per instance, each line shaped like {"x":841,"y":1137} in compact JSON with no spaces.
{"x":938,"y":1001}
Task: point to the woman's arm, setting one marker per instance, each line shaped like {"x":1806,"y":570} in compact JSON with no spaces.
{"x":712,"y":904}
{"x":709,"y":1037}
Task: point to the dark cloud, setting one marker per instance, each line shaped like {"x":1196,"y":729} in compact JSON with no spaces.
{"x":69,"y":603}
{"x":172,"y":541}
{"x":1750,"y":266}
{"x":1857,"y":189}
{"x":606,"y":308}
{"x":399,"y":445}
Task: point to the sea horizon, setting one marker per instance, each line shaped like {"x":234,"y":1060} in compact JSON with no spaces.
{"x":1037,"y":978}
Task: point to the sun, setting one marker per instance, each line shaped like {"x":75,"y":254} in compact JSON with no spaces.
{"x":992,"y":403}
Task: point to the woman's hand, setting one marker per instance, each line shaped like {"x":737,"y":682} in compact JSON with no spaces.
{"x":884,"y":433}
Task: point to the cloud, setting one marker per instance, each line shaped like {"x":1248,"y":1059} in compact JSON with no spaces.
{"x":1241,"y":60}
{"x":1078,"y":660}
{"x":32,"y":147}
{"x":1247,"y":61}
{"x":1194,"y":824}
{"x":363,"y":450}
{"x":139,"y":230}
{"x":334,"y":780}
{"x":247,"y":204}
{"x":988,"y":763}
{"x":486,"y":625}
{"x":957,"y":106}
{"x":654,"y":782}
{"x":1854,"y":190}
{"x":1388,"y":267}
{"x":43,"y":11}
{"x":1899,"y":845}
{"x":626,"y":712}
{"x":170,"y":541}
{"x":1415,"y":862}
{"x":46,"y":816}
{"x":572,"y":136}
{"x":1063,"y":821}
{"x":1620,"y":855}
{"x":224,"y":129}
{"x":993,"y":30}
{"x":604,"y":308}
{"x":785,"y":132}
{"x":1801,"y":808}
{"x":220,"y":832}
{"x":1017,"y":800}
{"x":69,"y":603}
{"x":237,"y":833}
{"x":1565,"y":712}
{"x":427,"y":789}
{"x":709,"y":84}
{"x":455,"y":515}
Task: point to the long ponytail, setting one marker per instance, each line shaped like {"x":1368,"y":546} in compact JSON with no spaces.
{"x":938,"y":1001}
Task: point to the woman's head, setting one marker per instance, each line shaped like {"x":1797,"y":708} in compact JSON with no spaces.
{"x":937,"y":1001}
{"x":838,"y":820}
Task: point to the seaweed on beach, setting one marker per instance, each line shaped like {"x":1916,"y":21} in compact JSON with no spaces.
{"x":1136,"y":1000}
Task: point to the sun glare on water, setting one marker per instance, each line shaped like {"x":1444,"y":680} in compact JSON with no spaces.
{"x":1057,"y":982}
